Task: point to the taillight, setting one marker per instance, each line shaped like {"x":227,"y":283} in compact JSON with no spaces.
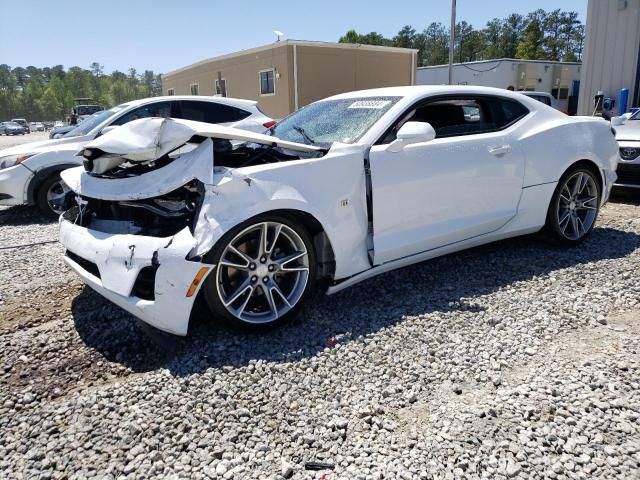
{"x":269,"y":124}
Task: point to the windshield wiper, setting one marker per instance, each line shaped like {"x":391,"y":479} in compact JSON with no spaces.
{"x":304,"y":133}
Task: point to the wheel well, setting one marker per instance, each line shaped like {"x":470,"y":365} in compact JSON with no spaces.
{"x":41,"y":175}
{"x":324,"y":250}
{"x":590,"y":165}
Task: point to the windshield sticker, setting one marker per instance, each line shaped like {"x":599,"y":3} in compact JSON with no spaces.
{"x":373,"y":104}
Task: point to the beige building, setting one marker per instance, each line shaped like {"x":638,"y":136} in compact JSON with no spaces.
{"x":611,"y":59}
{"x":289,"y":74}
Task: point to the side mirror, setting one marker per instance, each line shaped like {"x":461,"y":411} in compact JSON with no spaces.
{"x":615,"y":121}
{"x":108,"y":129}
{"x":410,"y":133}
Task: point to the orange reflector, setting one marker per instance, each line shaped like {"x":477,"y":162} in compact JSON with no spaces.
{"x":196,"y":281}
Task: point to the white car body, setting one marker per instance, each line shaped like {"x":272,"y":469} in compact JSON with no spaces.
{"x":19,"y":182}
{"x":543,"y":97}
{"x":628,"y":137}
{"x":427,"y":199}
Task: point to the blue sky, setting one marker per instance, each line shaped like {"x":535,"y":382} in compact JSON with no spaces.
{"x":163,"y":35}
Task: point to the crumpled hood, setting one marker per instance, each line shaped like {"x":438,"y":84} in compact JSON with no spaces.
{"x":148,"y":139}
{"x":196,"y":164}
{"x":72,"y":143}
{"x":630,"y":130}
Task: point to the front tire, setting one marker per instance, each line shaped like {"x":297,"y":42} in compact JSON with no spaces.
{"x":265,"y":270}
{"x":53,"y":196}
{"x":574,"y":206}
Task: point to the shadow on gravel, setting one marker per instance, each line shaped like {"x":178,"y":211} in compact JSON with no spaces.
{"x":23,"y":215}
{"x":446,"y":284}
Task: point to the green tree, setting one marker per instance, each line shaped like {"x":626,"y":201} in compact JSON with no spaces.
{"x":350,"y":37}
{"x":405,"y":38}
{"x":531,"y":45}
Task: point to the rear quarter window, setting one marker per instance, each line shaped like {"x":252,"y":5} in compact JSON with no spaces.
{"x":507,"y":112}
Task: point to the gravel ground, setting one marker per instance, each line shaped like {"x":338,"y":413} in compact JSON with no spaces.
{"x":513,"y":360}
{"x":10,"y":141}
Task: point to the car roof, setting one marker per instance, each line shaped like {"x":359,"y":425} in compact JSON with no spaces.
{"x":234,"y":102}
{"x":423,"y":90}
{"x":529,"y":92}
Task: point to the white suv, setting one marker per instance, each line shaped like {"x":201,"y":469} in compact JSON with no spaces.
{"x":30,"y":173}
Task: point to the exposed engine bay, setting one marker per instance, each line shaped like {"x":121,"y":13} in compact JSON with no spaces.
{"x":153,"y":206}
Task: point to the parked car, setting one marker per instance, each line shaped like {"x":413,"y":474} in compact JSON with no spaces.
{"x":39,"y":127}
{"x":60,"y":132}
{"x":543,"y":97}
{"x":628,"y":137}
{"x":22,"y":122}
{"x":58,"y":124}
{"x":341,"y":190}
{"x":30,"y":173}
{"x":11,"y":128}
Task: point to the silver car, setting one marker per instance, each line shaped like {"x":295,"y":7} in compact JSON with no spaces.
{"x":11,"y":128}
{"x":628,"y":137}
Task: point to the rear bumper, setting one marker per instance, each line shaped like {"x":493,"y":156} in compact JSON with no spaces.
{"x":111,"y":264}
{"x":13,"y":185}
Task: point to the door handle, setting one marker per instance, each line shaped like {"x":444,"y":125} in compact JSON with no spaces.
{"x":499,"y":151}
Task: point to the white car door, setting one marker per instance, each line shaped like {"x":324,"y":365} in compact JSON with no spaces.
{"x":449,"y":189}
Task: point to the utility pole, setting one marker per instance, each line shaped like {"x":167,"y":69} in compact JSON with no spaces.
{"x":452,"y":38}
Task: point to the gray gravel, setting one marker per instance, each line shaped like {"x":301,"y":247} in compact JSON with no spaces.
{"x":513,"y":360}
{"x":10,"y":141}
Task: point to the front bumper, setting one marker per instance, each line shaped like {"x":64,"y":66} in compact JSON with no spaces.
{"x":628,"y":169}
{"x":111,"y":265}
{"x":628,"y":175}
{"x":13,"y":185}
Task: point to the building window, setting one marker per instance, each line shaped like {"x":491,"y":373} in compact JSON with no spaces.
{"x":221,"y":87}
{"x":194,"y":88}
{"x":171,"y":91}
{"x":267,"y":84}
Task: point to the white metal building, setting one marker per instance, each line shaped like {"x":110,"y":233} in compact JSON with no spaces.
{"x":556,"y":78}
{"x":611,"y":56}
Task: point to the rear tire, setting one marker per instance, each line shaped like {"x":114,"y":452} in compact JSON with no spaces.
{"x":53,"y":196}
{"x":265,"y":270}
{"x":574,"y":206}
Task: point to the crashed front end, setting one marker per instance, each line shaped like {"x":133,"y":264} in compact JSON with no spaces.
{"x":141,"y":227}
{"x":138,"y":252}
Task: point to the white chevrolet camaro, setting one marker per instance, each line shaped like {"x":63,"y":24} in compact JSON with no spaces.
{"x":344,"y":189}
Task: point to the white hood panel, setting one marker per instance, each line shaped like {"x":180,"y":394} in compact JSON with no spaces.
{"x":196,"y":164}
{"x":151,"y":138}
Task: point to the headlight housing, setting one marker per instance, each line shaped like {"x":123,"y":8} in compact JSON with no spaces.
{"x":629,"y":153}
{"x":12,"y":160}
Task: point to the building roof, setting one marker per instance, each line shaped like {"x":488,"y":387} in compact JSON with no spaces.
{"x":500,"y":60}
{"x":282,"y":43}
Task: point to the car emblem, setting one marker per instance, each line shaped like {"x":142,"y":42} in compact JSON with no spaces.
{"x":629,"y":153}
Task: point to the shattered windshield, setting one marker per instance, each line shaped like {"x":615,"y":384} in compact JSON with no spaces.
{"x":328,"y":121}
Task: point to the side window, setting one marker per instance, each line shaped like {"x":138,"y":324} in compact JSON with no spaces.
{"x":453,"y":117}
{"x":209,"y":112}
{"x":507,"y":112}
{"x":158,"y":109}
